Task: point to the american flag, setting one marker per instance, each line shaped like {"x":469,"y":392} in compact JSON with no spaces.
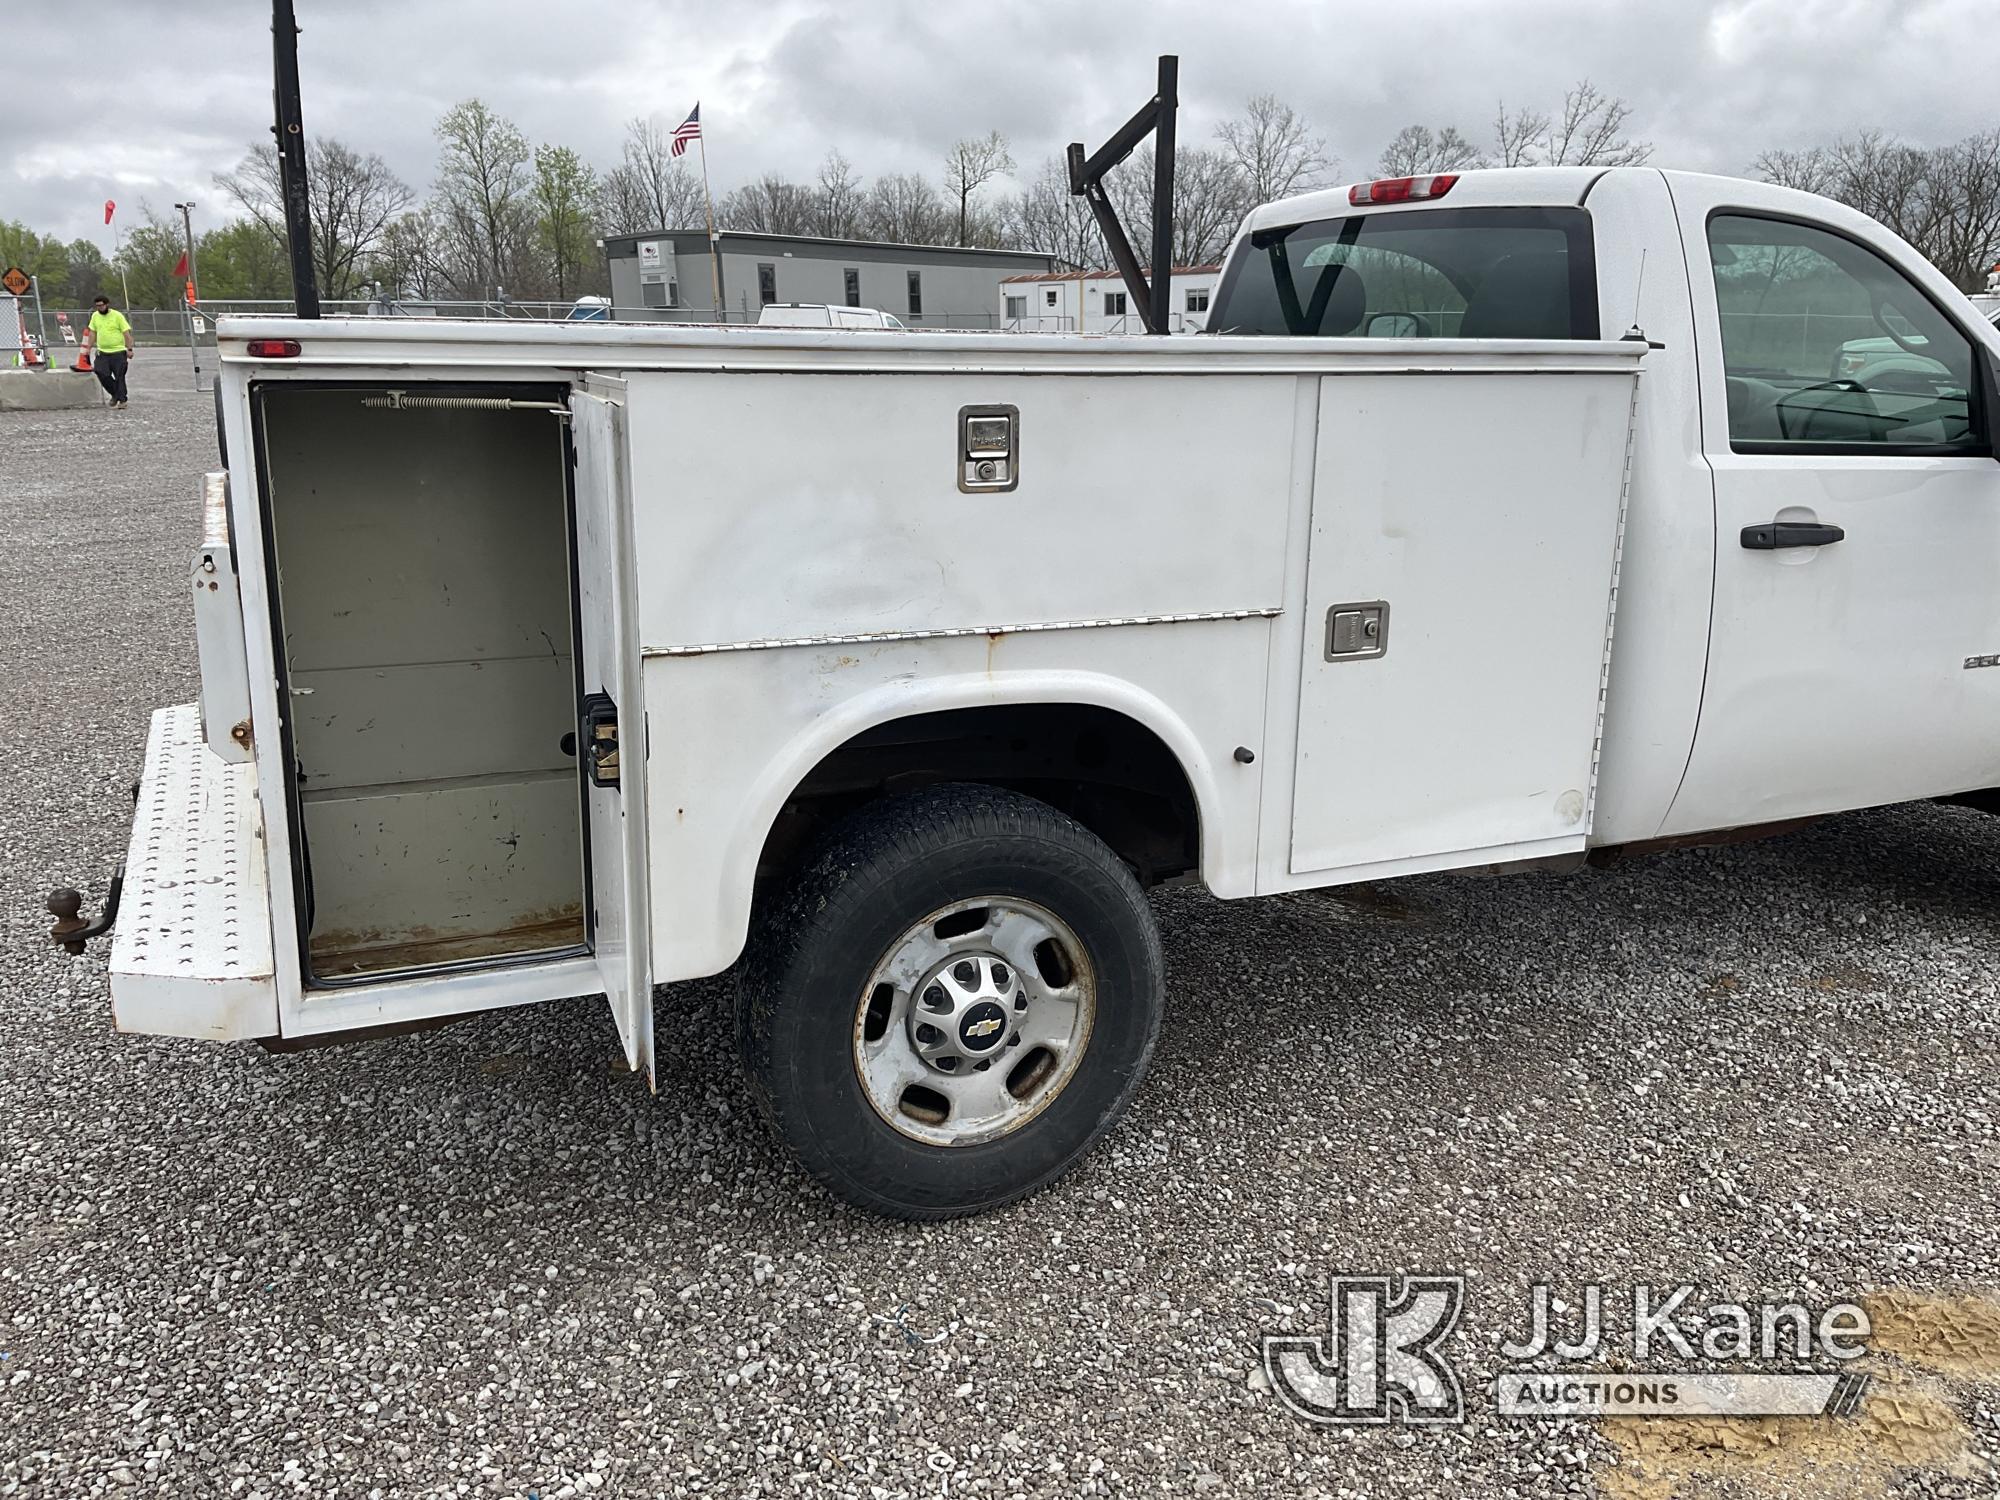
{"x":689,"y":130}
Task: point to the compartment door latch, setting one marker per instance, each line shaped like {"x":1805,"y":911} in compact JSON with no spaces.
{"x":600,"y":740}
{"x":1357,"y":632}
{"x":989,"y":448}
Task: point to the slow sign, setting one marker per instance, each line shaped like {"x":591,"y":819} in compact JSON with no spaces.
{"x":15,"y":281}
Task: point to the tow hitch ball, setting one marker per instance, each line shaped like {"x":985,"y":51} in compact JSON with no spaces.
{"x":72,"y":930}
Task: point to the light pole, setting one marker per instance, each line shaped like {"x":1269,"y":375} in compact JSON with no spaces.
{"x":118,"y":257}
{"x":187,"y":301}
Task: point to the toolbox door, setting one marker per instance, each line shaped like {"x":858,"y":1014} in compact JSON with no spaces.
{"x":1459,"y":586}
{"x":611,"y":724}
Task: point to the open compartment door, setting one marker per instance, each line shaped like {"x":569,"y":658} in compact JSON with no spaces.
{"x":611,"y":722}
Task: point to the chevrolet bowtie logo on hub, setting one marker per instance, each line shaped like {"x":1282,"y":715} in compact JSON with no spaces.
{"x":980,"y":1030}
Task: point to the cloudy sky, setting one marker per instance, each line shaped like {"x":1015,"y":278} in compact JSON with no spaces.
{"x":143,"y":100}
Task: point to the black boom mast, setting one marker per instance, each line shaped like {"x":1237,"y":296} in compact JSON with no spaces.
{"x":291,"y":133}
{"x":1086,"y":178}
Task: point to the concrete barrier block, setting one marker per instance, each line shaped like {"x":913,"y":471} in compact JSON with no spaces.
{"x":53,"y":390}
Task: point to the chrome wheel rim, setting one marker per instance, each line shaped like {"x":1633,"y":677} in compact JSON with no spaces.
{"x":974,"y":1021}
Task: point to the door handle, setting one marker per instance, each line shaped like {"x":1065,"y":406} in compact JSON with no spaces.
{"x":1774,"y":534}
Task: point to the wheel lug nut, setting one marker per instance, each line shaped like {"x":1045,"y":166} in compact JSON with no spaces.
{"x":1000,"y":976}
{"x":965,"y":971}
{"x":927,"y":1034}
{"x":934,"y":998}
{"x":1020,"y":1000}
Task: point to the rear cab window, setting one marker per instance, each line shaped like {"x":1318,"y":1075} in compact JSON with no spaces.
{"x":1437,"y":273}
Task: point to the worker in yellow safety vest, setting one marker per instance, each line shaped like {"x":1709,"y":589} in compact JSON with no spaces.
{"x":109,"y":344}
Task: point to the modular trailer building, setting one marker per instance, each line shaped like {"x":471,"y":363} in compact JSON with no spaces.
{"x":667,"y":275}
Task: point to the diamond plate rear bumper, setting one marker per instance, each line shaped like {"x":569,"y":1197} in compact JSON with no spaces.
{"x":191,"y":954}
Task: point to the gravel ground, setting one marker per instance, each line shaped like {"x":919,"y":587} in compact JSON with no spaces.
{"x":483,"y":1261}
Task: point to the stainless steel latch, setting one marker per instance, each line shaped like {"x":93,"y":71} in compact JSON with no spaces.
{"x":1357,"y":632}
{"x":989,"y":448}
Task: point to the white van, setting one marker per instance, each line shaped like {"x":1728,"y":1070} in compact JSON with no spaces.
{"x":823,"y":315}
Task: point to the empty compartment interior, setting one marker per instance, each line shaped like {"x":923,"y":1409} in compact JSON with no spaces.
{"x":424,"y":598}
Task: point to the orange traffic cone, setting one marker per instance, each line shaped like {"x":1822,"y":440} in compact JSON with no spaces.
{"x":82,"y":365}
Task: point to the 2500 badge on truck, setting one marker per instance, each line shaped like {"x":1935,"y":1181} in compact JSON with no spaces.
{"x":1499,"y":520}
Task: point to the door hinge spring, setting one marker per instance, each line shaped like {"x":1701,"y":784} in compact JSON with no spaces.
{"x":403,"y":401}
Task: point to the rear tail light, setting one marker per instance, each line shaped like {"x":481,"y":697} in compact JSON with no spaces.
{"x":274,"y":348}
{"x":1401,"y":189}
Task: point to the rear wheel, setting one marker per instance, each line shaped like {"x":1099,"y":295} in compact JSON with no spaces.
{"x":952,"y":999}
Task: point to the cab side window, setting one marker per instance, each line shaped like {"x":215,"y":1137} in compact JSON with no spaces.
{"x":1827,"y":346}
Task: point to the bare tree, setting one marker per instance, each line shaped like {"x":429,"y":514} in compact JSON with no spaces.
{"x":1275,"y":150}
{"x":1944,"y":200}
{"x":407,"y":262}
{"x":1047,"y":217}
{"x":1130,"y":188}
{"x":352,"y":201}
{"x":622,"y":207}
{"x":968,"y":167}
{"x":1589,"y":131}
{"x":1968,"y":243}
{"x":905,"y":209}
{"x":1518,"y":137}
{"x":1210,"y":199}
{"x":483,"y":184}
{"x":647,"y":153}
{"x":836,"y":207}
{"x":773,"y":204}
{"x":1417,"y":149}
{"x":1904,"y":186}
{"x":651,"y":188}
{"x":1810,"y":170}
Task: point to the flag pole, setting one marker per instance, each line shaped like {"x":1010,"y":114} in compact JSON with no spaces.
{"x":714,"y":251}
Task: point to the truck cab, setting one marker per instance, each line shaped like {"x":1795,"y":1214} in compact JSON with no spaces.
{"x":1780,"y":505}
{"x":1501,"y":520}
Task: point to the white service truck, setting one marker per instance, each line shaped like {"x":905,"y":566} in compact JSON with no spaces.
{"x":1500,"y":521}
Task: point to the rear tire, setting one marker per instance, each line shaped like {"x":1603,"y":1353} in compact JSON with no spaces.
{"x":949,"y":1002}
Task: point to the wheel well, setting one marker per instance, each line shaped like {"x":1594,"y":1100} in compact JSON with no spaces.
{"x":1111,"y":773}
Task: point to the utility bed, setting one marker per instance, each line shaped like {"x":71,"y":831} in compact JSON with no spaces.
{"x":552,"y":638}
